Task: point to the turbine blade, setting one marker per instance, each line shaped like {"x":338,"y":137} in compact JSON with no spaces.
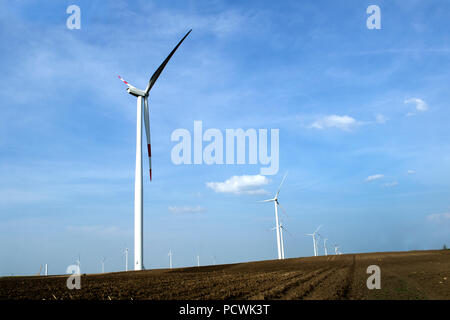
{"x":282,"y":209}
{"x":284,"y":228}
{"x":282,"y":181}
{"x":162,"y":66}
{"x":318,"y":228}
{"x":147,"y":132}
{"x":268,"y":200}
{"x":128,"y":84}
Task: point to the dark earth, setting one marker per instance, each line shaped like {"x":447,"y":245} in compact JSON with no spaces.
{"x":404,"y":275}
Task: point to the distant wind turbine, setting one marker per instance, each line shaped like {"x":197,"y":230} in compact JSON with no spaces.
{"x":336,"y":252}
{"x":142,"y":96}
{"x":78,"y":261}
{"x":313,"y":235}
{"x":103,"y":264}
{"x":198,"y":261}
{"x":281,"y":227}
{"x":325,"y":246}
{"x":170,"y":258}
{"x":277,"y":204}
{"x":126,"y":258}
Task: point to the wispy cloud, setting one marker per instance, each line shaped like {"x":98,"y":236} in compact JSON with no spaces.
{"x":439,"y":217}
{"x":374,"y":177}
{"x":246,"y":184}
{"x":186,"y":209}
{"x":379,"y":118}
{"x":345,"y":123}
{"x":391,"y":184}
{"x":411,"y":171}
{"x":420,"y":106}
{"x":94,"y":229}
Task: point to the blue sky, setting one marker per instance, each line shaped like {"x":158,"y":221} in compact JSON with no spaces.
{"x":363,"y":118}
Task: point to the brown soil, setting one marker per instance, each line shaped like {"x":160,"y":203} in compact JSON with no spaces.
{"x":404,"y":275}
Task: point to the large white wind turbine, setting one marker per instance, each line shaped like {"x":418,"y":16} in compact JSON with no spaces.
{"x":277,"y":204}
{"x":313,"y":235}
{"x":142,"y":96}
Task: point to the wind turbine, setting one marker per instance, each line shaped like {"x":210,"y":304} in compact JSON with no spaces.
{"x":282,"y":227}
{"x":313,"y":235}
{"x":325,"y":245}
{"x":170,"y":258}
{"x":125,"y":252}
{"x":281,"y":237}
{"x":138,"y":203}
{"x":336,"y":252}
{"x":78,"y":261}
{"x":198,"y":261}
{"x":277,"y":203}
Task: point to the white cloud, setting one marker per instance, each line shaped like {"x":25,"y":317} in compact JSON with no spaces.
{"x":245,"y":184}
{"x":334,"y":121}
{"x":421,"y":106}
{"x":439,"y":217}
{"x":391,"y":184}
{"x":381,"y":119}
{"x":411,"y":171}
{"x":374,"y":177}
{"x":186,"y":209}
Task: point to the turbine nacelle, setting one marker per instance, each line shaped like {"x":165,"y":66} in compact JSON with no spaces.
{"x":136,"y":92}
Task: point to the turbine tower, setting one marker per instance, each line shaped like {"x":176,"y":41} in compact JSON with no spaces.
{"x":170,"y":258}
{"x":277,"y":204}
{"x":325,"y":246}
{"x":78,"y":261}
{"x":103,"y":264}
{"x":313,"y":235}
{"x":281,"y":240}
{"x":283,"y":228}
{"x":142,"y":96}
{"x":126,"y":258}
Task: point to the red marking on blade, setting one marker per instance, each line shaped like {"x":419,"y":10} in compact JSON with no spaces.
{"x":149,"y":149}
{"x":150,"y":174}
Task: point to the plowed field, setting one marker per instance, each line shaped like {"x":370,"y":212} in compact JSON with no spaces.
{"x":404,"y":275}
